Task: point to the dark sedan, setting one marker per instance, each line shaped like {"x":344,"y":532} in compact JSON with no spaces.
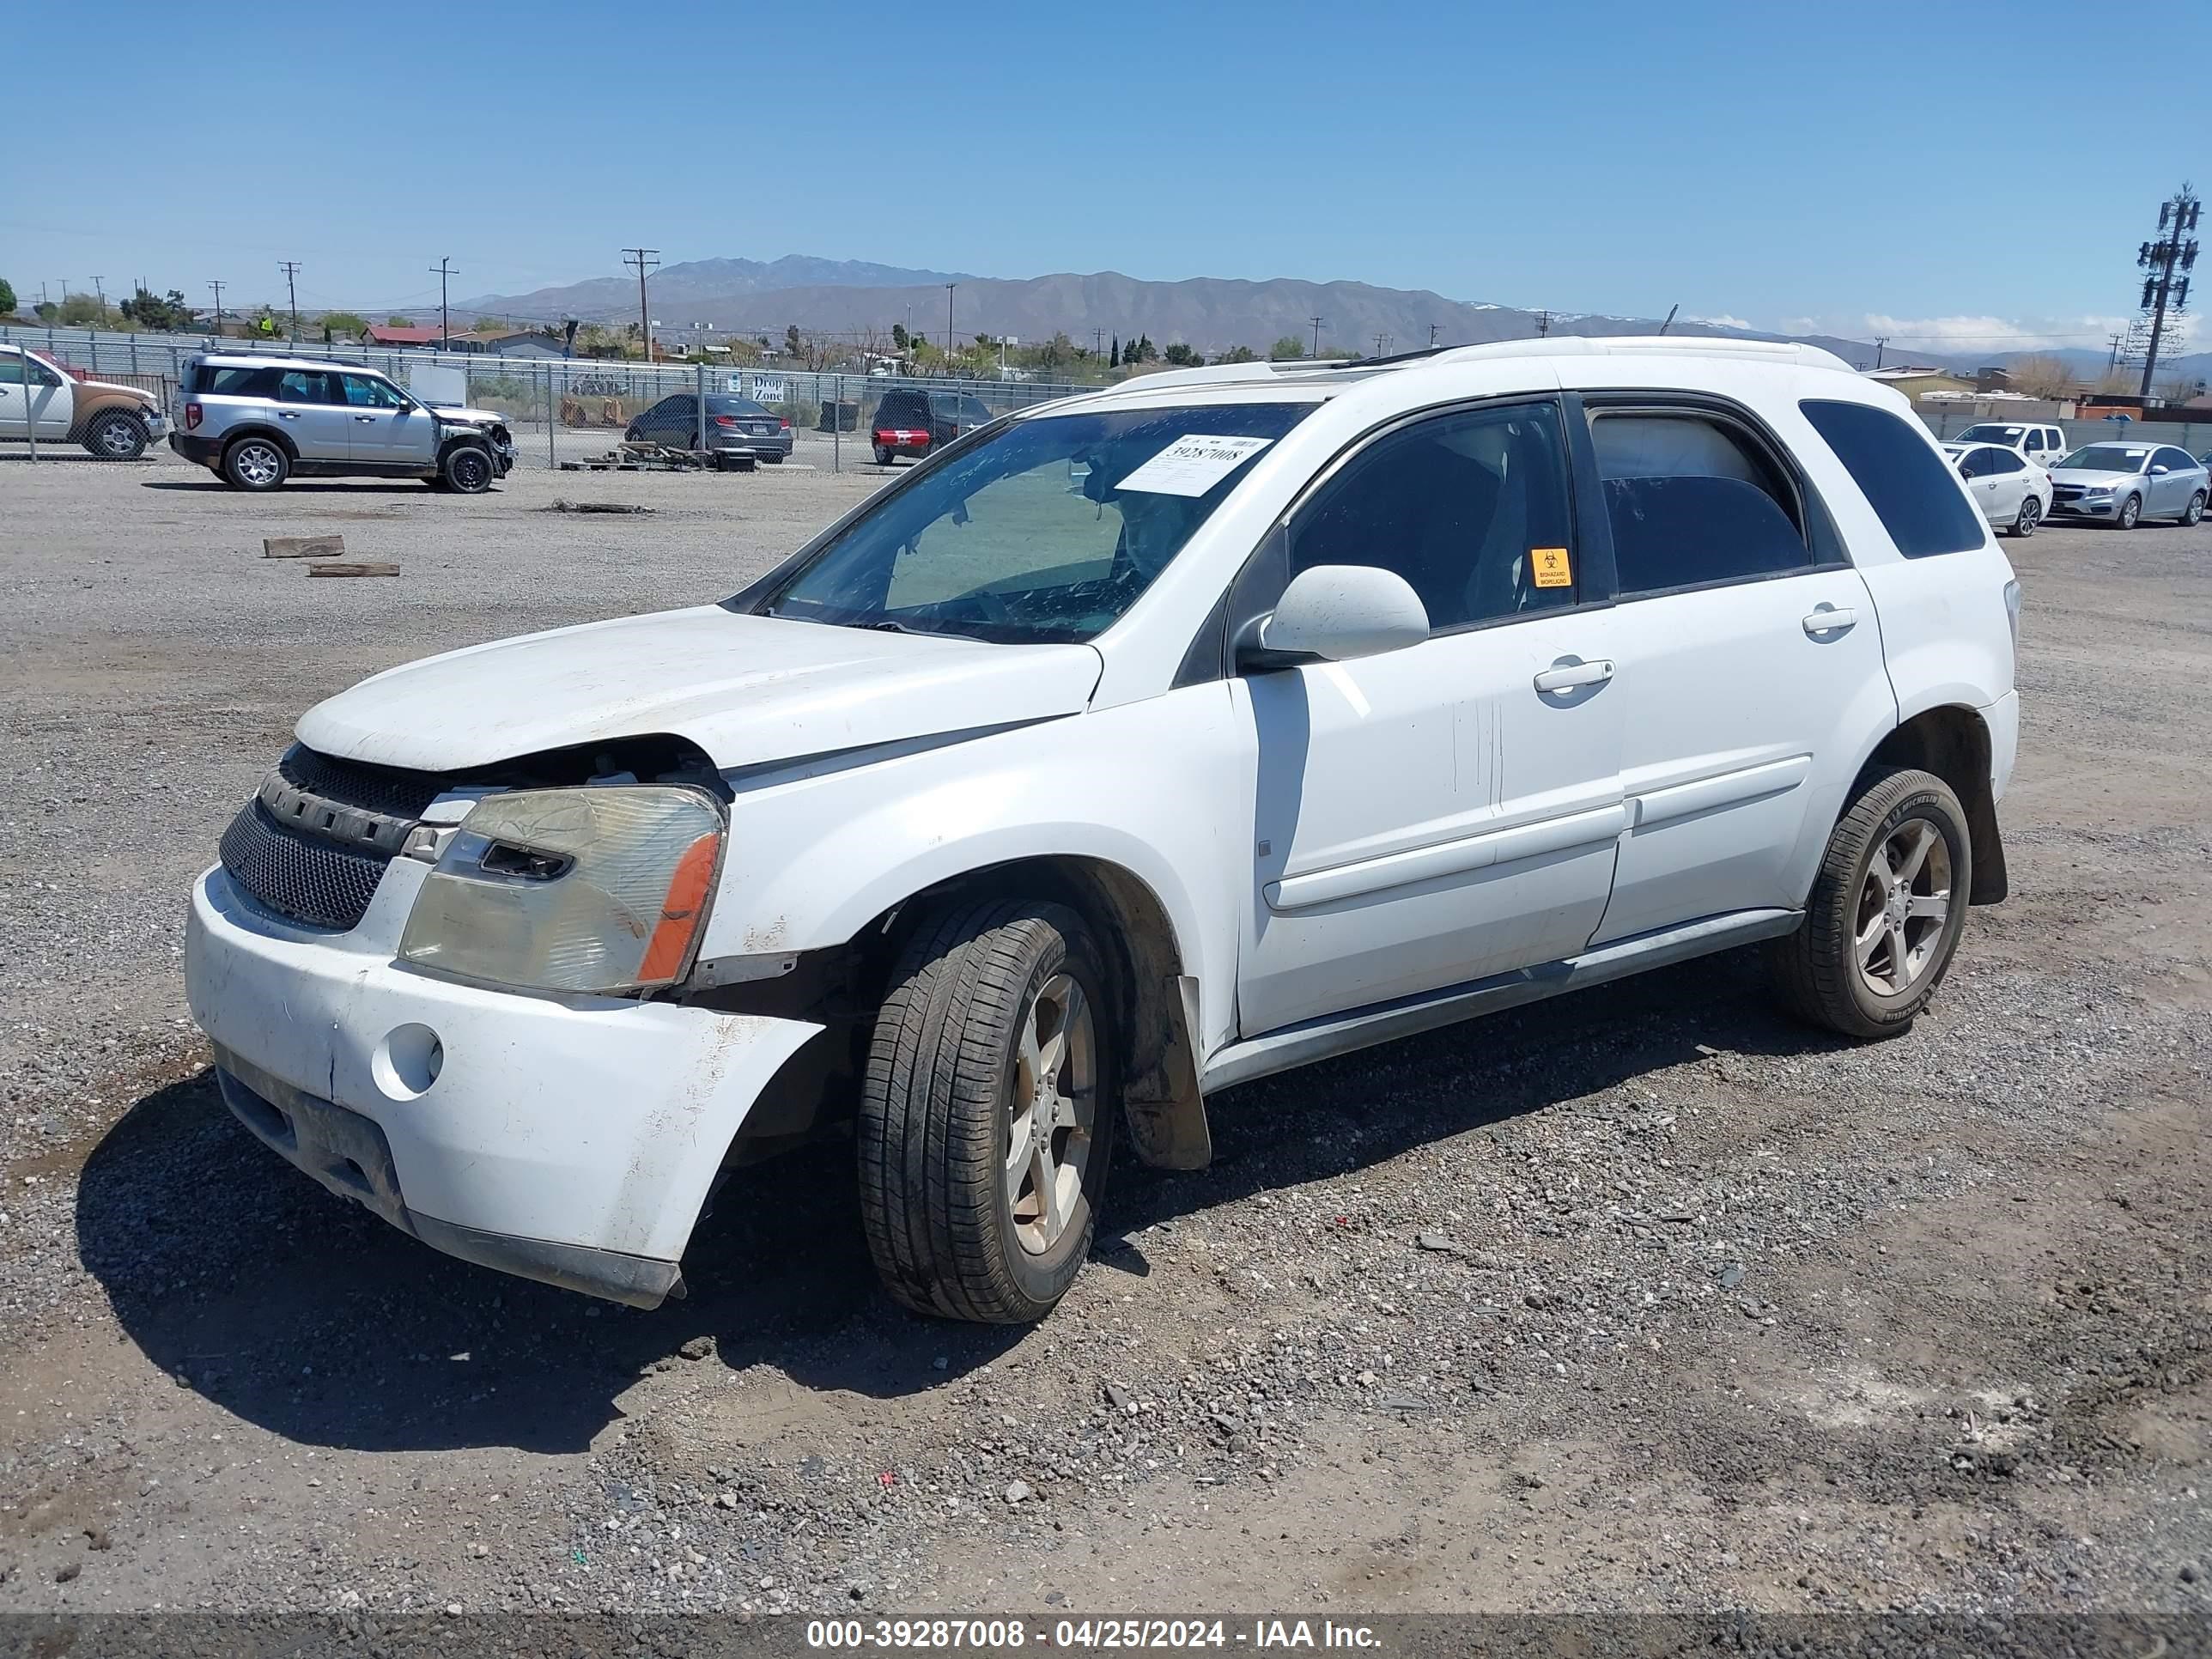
{"x":735,"y":426}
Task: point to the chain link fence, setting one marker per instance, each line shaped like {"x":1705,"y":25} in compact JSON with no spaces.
{"x":569,"y":409}
{"x":560,"y":409}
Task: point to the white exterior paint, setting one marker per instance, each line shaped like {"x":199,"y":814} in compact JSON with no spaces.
{"x":1321,"y":838}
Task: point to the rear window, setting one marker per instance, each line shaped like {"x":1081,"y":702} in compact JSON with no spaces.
{"x":1915,"y":496}
{"x":230,"y":381}
{"x":897,"y":406}
{"x":734,"y":406}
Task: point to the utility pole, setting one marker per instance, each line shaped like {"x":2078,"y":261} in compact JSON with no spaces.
{"x":1543,"y":323}
{"x":643,"y":259}
{"x":442,"y":270}
{"x":1432,"y":335}
{"x":1880,"y":343}
{"x":2166,"y":289}
{"x":1671,"y":310}
{"x":949,"y":287}
{"x":217,"y":287}
{"x":1378,"y":344}
{"x":1316,"y":322}
{"x":291,"y":270}
{"x":1097,"y":342}
{"x":102,"y":293}
{"x":2112,"y":359}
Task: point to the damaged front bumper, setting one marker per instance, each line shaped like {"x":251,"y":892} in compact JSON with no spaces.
{"x":569,"y":1140}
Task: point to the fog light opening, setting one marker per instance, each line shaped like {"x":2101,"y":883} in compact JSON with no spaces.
{"x":408,"y":1062}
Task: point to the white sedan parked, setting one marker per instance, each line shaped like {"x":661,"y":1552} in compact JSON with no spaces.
{"x":2013,"y":492}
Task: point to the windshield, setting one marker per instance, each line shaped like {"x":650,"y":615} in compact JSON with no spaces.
{"x":1047,"y":530}
{"x":2106,"y":458}
{"x":1992,"y":434}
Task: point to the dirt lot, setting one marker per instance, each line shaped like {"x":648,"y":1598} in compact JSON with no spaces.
{"x":1641,"y":1298}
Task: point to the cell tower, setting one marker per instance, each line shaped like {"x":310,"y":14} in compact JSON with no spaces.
{"x":2166,"y":265}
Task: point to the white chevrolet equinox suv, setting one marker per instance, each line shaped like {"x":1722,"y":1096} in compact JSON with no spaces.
{"x":1129,"y":748}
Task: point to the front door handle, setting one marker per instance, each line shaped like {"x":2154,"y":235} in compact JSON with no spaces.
{"x":288,"y":414}
{"x":365,"y":420}
{"x":1567,"y":676}
{"x":1831,"y":619}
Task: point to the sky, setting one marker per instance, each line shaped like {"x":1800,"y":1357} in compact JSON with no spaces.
{"x":1925,"y":172}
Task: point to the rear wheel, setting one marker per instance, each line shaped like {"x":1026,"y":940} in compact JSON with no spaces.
{"x":1885,"y":910}
{"x":116,"y":435}
{"x":2195,"y":511}
{"x":985,"y":1124}
{"x":2130,"y":511}
{"x":2031,"y":515}
{"x":256,"y":463}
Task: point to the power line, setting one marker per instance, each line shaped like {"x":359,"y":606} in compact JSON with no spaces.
{"x":1543,"y":323}
{"x":442,"y":270}
{"x":642,"y":258}
{"x":217,"y":287}
{"x":291,"y":270}
{"x":1316,"y":322}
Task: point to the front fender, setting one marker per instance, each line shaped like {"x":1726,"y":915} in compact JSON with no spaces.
{"x":1160,"y":790}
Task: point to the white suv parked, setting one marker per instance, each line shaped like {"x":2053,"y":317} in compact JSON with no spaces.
{"x":1131,"y":747}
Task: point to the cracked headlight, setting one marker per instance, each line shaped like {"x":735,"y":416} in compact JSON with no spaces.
{"x":600,"y":889}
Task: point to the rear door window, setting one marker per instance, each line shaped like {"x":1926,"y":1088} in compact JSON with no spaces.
{"x":1902,"y":475}
{"x":304,"y":385}
{"x":1693,"y":502}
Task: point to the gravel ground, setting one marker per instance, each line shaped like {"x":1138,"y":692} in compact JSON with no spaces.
{"x":1643,"y":1299}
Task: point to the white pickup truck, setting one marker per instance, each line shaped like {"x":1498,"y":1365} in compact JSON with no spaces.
{"x":1129,"y":748}
{"x":41,"y":401}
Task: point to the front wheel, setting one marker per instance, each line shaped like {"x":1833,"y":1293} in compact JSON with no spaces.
{"x":2031,"y":515}
{"x":2194,"y":512}
{"x":985,"y":1118}
{"x":2130,"y":511}
{"x":467,"y":470}
{"x":1885,"y":910}
{"x":115,"y":435}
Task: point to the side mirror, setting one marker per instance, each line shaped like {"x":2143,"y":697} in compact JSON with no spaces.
{"x":1334,"y":612}
{"x":2160,"y":470}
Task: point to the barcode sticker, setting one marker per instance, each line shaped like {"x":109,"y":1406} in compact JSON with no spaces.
{"x":1192,"y":465}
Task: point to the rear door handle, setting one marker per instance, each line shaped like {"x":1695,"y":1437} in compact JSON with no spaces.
{"x":1568,"y":676}
{"x":1831,"y":619}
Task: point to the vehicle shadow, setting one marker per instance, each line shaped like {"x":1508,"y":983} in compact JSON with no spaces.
{"x":301,"y":1313}
{"x":212,"y":485}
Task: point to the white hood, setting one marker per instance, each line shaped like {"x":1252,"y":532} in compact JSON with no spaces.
{"x":462,"y":416}
{"x":746,"y":690}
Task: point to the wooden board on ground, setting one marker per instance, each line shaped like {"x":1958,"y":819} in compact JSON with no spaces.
{"x":353,"y":570}
{"x":301,"y":547}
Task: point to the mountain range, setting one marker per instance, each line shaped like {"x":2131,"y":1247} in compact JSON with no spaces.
{"x":852,"y":297}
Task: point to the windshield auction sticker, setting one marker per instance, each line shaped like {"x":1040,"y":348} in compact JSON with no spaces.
{"x":1192,"y":465}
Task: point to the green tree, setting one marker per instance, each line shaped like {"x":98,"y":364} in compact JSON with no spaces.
{"x":399,"y":322}
{"x":898,"y":335}
{"x":1183,"y":357}
{"x":791,"y":343}
{"x":1285,"y":349}
{"x":78,"y":309}
{"x":1238,"y":354}
{"x":344,"y":322}
{"x":1114,"y":361}
{"x":157,"y":315}
{"x":7,"y":298}
{"x":1142,"y":351}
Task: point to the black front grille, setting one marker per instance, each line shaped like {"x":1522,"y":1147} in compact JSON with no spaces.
{"x":313,"y":877}
{"x":380,"y":788}
{"x":322,"y":883}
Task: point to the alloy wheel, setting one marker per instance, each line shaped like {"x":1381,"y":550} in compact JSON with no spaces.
{"x":1052,"y":1114}
{"x":1905,"y":901}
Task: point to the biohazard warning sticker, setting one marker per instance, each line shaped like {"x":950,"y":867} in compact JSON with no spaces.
{"x":1552,"y":568}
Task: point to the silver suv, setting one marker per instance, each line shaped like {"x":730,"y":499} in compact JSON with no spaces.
{"x":256,"y":421}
